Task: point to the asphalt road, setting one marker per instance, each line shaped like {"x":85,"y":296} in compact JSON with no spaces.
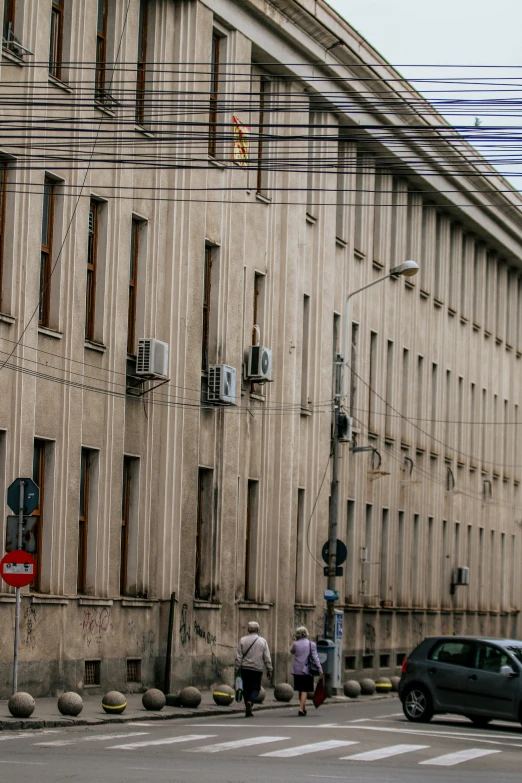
{"x":362,"y":742}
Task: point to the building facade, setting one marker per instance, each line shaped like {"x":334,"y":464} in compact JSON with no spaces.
{"x":187,"y":171}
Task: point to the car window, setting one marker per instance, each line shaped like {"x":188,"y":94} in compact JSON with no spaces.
{"x":490,"y":658}
{"x":517,"y":652}
{"x":457,"y":653}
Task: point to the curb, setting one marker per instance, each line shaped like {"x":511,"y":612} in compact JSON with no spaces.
{"x":54,"y":723}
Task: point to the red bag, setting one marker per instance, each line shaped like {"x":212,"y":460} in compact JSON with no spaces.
{"x":320,"y":693}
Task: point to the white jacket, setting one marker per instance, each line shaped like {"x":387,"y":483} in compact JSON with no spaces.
{"x":257,"y":656}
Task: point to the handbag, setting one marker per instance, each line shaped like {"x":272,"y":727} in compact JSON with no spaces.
{"x":312,"y":668}
{"x":320,"y":693}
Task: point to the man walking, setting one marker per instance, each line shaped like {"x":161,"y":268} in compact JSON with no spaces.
{"x":252,"y":655}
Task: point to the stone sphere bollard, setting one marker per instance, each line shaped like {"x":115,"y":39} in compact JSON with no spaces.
{"x":114,"y":702}
{"x":352,"y":689}
{"x":283,"y":692}
{"x":173,"y":699}
{"x":153,"y":699}
{"x":261,"y":696}
{"x":190,"y":697}
{"x":395,"y":683}
{"x":383,"y":685}
{"x":223,"y":695}
{"x":21,"y":705}
{"x":367,"y":687}
{"x":70,"y":703}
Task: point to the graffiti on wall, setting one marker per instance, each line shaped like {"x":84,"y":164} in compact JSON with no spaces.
{"x":184,"y":630}
{"x":206,"y":635}
{"x":143,"y":641}
{"x":28,"y":635}
{"x":369,"y":638}
{"x":96,"y":623}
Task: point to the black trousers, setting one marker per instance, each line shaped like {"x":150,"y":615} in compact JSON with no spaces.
{"x":251,"y":684}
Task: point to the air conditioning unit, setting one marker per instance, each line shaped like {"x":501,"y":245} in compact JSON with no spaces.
{"x":459,"y":578}
{"x":222,"y":384}
{"x":259,"y":366}
{"x":153,"y":358}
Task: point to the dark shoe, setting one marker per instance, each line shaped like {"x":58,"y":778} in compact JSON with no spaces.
{"x":248,"y":711}
{"x":302,"y":714}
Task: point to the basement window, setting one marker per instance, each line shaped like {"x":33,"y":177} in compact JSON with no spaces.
{"x":384,"y":661}
{"x":349,"y":662}
{"x":400,"y":659}
{"x":134,"y":670}
{"x":92,"y":673}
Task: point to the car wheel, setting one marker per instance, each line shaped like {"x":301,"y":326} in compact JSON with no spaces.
{"x":479,"y":721}
{"x":417,"y":704}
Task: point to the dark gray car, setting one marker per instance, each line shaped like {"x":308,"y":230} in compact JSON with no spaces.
{"x":472,"y":676}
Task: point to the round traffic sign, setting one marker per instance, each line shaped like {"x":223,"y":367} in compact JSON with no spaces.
{"x":342,"y":552}
{"x":18,"y":568}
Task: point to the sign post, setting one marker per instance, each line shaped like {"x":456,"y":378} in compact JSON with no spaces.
{"x":27,"y":501}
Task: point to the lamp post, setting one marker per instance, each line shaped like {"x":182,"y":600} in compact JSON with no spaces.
{"x":407,"y":269}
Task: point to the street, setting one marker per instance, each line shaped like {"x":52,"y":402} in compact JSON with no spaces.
{"x":369,"y":741}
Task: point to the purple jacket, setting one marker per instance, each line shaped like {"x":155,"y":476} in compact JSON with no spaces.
{"x":301,"y":650}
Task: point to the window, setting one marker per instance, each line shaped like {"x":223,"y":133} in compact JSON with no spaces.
{"x":360,"y":205}
{"x":92,"y":673}
{"x":205,"y":536}
{"x":3,"y":196}
{"x":353,"y":367}
{"x":207,"y":281}
{"x":306,"y":350}
{"x":437,"y":271}
{"x":92,"y":259}
{"x":9,"y":21}
{"x":343,"y":178}
{"x":56,"y":39}
{"x":367,"y":661}
{"x":455,"y":653}
{"x":259,"y":297}
{"x":141,"y":65}
{"x":251,"y":541}
{"x":382,"y":197}
{"x":133,"y":285}
{"x":134,"y":670}
{"x":261,"y":170}
{"x":488,"y":658}
{"x":214,"y":89}
{"x":39,"y":480}
{"x":405,"y":396}
{"x":464,"y":278}
{"x":350,"y":559}
{"x":126,"y":499}
{"x":415,"y":562}
{"x":384,"y":661}
{"x":350,"y":662}
{"x":434,"y":405}
{"x":389,"y":420}
{"x":46,"y":253}
{"x":401,"y":543}
{"x":372,"y":399}
{"x":83,"y":520}
{"x":101,"y":50}
{"x":368,"y":556}
{"x":385,"y":587}
{"x":472,"y":427}
{"x":300,"y":548}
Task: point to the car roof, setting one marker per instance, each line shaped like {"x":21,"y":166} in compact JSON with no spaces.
{"x":491,"y":639}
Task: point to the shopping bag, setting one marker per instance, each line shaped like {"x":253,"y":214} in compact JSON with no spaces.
{"x":320,"y":693}
{"x":239,"y":689}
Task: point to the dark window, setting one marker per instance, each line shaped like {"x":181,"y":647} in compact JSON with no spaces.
{"x":350,"y":662}
{"x":141,"y":65}
{"x":134,"y":670}
{"x":9,"y":20}
{"x":207,"y":279}
{"x":400,"y":658}
{"x":92,"y":673}
{"x":101,"y":50}
{"x":214,"y":88}
{"x":205,"y":540}
{"x":456,"y":653}
{"x":56,"y":39}
{"x":39,"y":480}
{"x":83,"y":520}
{"x":46,"y":253}
{"x":367,"y":661}
{"x":251,"y":541}
{"x":261,"y":173}
{"x":125,"y":518}
{"x":489,"y":658}
{"x":3,"y":192}
{"x":133,"y":286}
{"x":384,"y":661}
{"x":517,"y":652}
{"x":92,"y":253}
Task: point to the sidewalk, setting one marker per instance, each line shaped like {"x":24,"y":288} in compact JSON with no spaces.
{"x":46,"y":713}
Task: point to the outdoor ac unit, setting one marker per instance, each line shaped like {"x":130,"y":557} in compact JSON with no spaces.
{"x":153,"y":358}
{"x":259,"y":366}
{"x":460,"y":576}
{"x":222,"y":384}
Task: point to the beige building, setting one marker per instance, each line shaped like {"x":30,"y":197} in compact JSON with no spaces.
{"x":136,"y":204}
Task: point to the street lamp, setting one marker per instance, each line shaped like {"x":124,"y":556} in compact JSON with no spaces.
{"x":407,"y":269}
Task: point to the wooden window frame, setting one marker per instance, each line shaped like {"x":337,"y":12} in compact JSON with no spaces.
{"x":3,"y":197}
{"x":39,"y":480}
{"x":252,"y":517}
{"x":133,"y":286}
{"x":56,"y":39}
{"x":8,"y":21}
{"x":83,"y":521}
{"x":260,"y":179}
{"x":92,"y":268}
{"x":101,"y":51}
{"x":141,"y":62}
{"x":214,"y":91}
{"x":125,"y":520}
{"x":207,"y":285}
{"x":199,"y":536}
{"x":46,"y":254}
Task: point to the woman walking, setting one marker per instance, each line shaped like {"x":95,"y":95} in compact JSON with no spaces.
{"x":306,"y":655}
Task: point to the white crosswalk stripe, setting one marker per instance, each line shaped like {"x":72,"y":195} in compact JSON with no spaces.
{"x":314,"y":747}
{"x":384,"y":753}
{"x":244,"y":743}
{"x":24,"y":735}
{"x":97,"y":738}
{"x":165,"y":741}
{"x":450,"y":759}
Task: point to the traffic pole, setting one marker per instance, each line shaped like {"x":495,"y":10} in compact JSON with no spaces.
{"x":18,"y":597}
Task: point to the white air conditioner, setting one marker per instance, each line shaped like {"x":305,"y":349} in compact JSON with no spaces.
{"x":460,"y":576}
{"x":153,"y":358}
{"x":222,"y":384}
{"x":259,"y":366}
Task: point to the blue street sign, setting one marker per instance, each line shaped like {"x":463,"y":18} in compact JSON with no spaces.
{"x":31,"y":496}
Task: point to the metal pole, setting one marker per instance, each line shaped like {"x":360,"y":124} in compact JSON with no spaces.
{"x":334,"y":510}
{"x":18,"y":598}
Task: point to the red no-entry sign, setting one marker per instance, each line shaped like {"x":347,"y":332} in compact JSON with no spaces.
{"x":18,"y":568}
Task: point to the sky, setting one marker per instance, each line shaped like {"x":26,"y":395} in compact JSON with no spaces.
{"x":409,"y":33}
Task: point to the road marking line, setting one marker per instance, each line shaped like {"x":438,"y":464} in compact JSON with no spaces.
{"x":26,"y":734}
{"x":450,"y":759}
{"x":166,"y":741}
{"x":384,"y":753}
{"x":97,"y":738}
{"x":314,"y":747}
{"x":131,"y":725}
{"x":244,"y":743}
{"x":359,"y":720}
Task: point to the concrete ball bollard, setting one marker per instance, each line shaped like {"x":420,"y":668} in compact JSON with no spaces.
{"x":114,"y":702}
{"x":190,"y":697}
{"x":383,"y":685}
{"x":352,"y":689}
{"x":283,"y":692}
{"x":223,"y":695}
{"x":70,"y":703}
{"x":367,"y":686}
{"x":153,"y":699}
{"x":261,"y":696}
{"x":21,"y":705}
{"x":173,"y":699}
{"x":395,"y":683}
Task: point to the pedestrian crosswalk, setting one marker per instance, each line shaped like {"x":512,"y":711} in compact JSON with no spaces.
{"x":420,"y":754}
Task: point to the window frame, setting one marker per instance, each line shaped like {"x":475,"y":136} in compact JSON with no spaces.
{"x":261,"y":174}
{"x":206,"y":307}
{"x":101,"y":52}
{"x":9,"y":20}
{"x":92,"y":269}
{"x":439,"y":644}
{"x":133,"y":285}
{"x":3,"y":199}
{"x":83,"y":521}
{"x":141,"y":62}
{"x":56,"y":39}
{"x":39,"y":447}
{"x":125,"y":521}
{"x":46,"y":254}
{"x":213,"y":94}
